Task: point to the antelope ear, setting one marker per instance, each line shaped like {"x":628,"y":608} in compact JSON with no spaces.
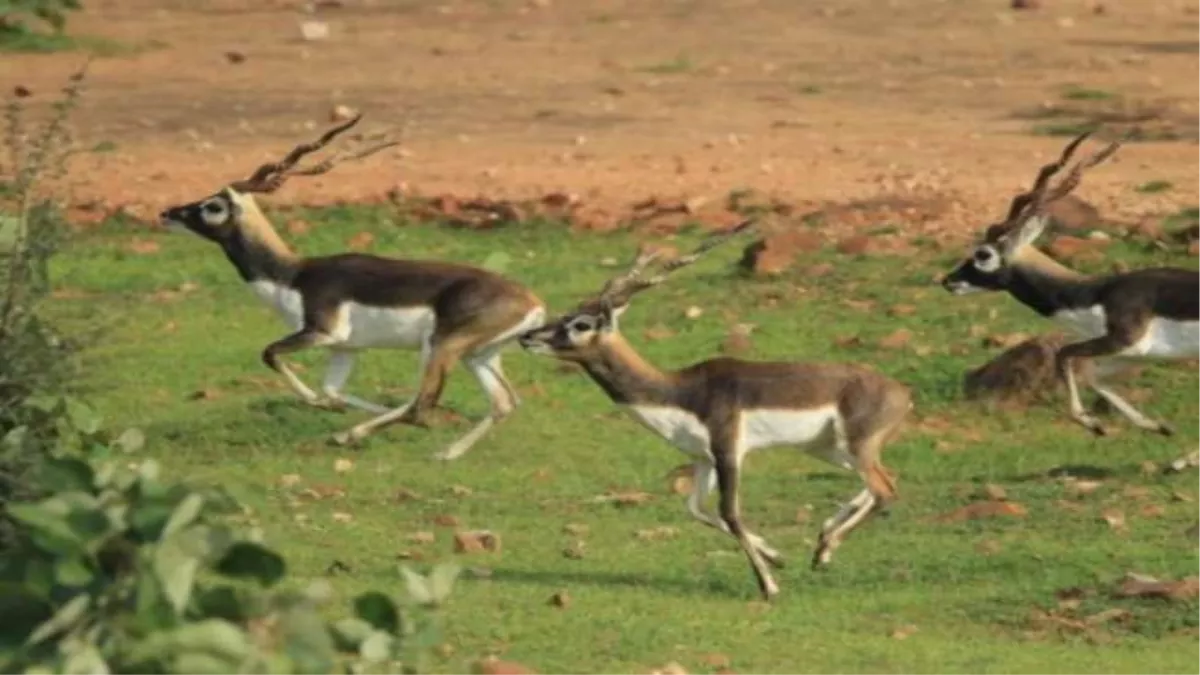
{"x":1028,"y":233}
{"x":235,"y":201}
{"x":609,"y":315}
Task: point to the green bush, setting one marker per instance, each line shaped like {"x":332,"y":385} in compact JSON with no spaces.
{"x":14,"y":13}
{"x":121,"y":572}
{"x":35,"y":361}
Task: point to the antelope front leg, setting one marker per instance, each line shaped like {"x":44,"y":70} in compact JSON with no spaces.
{"x":1109,"y":344}
{"x":835,"y":529}
{"x":704,"y":479}
{"x":1131,"y":413}
{"x":305,"y":338}
{"x":341,"y":362}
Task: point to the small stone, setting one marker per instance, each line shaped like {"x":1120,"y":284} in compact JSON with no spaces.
{"x":313,"y":31}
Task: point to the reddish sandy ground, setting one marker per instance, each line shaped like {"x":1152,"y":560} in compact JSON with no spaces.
{"x":619,"y":100}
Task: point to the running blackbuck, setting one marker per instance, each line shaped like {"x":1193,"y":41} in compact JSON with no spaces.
{"x":1142,"y":314}
{"x":353,"y":301}
{"x":718,"y":410}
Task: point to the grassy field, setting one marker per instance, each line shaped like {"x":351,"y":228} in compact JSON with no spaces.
{"x":178,"y":355}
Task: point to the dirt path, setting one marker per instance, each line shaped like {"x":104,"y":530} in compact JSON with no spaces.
{"x":618,"y":100}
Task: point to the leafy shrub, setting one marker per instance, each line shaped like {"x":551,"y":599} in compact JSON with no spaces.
{"x":34,"y":360}
{"x":53,"y":13}
{"x":121,"y":572}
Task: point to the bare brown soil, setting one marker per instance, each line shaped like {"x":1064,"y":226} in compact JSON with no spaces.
{"x":616,"y":101}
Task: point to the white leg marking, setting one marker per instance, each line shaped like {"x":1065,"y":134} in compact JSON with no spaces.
{"x":704,"y":479}
{"x":848,"y":517}
{"x":341,"y":363}
{"x":296,"y":383}
{"x":360,"y":431}
{"x":485,"y":366}
{"x":1077,"y":411}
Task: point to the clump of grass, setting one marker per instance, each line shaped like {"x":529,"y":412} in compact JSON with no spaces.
{"x":1154,"y":187}
{"x":1075,"y":93}
{"x":680,"y":64}
{"x":1064,"y":128}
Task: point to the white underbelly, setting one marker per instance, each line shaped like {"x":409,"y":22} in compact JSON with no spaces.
{"x":815,"y":431}
{"x":357,"y":326}
{"x":1167,"y":339}
{"x":1163,"y":339}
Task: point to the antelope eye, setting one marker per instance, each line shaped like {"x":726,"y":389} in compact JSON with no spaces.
{"x":984,"y":255}
{"x":214,"y":207}
{"x":581,"y":325}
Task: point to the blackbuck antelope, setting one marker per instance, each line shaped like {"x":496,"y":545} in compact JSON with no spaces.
{"x":353,"y":301}
{"x":1142,"y":314}
{"x":718,"y":410}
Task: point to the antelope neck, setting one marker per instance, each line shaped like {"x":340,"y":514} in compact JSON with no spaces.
{"x":626,"y":377}
{"x":1049,"y":288}
{"x":259,"y":254}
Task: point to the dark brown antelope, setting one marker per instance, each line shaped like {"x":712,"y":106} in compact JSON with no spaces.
{"x":1150,"y":313}
{"x":717,"y":411}
{"x":352,"y":301}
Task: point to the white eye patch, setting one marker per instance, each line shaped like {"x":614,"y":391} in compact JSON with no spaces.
{"x":582,"y":324}
{"x":986,"y":259}
{"x":214,"y":212}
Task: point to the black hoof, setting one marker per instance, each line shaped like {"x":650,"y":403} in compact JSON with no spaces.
{"x":1165,"y":430}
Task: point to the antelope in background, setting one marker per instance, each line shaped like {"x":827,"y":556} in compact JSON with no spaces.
{"x":1150,"y":313}
{"x":717,"y":411}
{"x":352,"y":301}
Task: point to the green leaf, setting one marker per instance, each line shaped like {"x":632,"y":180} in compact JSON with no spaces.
{"x":68,"y":473}
{"x":85,"y":659}
{"x":441,"y":580}
{"x":49,"y":530}
{"x":417,"y":586}
{"x":90,"y":524}
{"x":73,"y":571}
{"x":222,"y":602}
{"x":214,"y":637}
{"x":64,"y":619}
{"x":307,"y":640}
{"x":249,"y":560}
{"x":148,"y":471}
{"x":15,"y":438}
{"x":350,"y":632}
{"x":378,"y":610}
{"x":496,"y":261}
{"x":176,"y":569}
{"x":82,"y":417}
{"x":46,"y":404}
{"x":378,"y":647}
{"x":131,"y":440}
{"x":202,"y":662}
{"x":184,"y":514}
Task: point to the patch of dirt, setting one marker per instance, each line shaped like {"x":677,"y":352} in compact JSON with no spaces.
{"x":623,"y":101}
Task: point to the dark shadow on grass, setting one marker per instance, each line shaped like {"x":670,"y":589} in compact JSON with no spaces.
{"x":1084,"y":471}
{"x":681,"y":586}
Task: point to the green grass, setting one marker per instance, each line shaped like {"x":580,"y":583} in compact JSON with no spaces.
{"x":636,"y":604}
{"x":1076,"y":93}
{"x":28,"y":41}
{"x":1154,"y":186}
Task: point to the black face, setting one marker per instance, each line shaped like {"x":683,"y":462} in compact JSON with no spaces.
{"x":985,"y":270}
{"x":212,"y":217}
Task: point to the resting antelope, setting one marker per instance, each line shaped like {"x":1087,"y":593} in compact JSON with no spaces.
{"x":717,"y":411}
{"x":352,"y":301}
{"x":1143,"y":314}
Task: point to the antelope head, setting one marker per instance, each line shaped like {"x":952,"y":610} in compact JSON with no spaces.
{"x":579,"y":335}
{"x":1006,"y":244}
{"x":218,"y":216}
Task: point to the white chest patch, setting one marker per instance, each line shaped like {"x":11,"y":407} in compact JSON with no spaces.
{"x":361,"y":326}
{"x":1086,"y":323}
{"x":1164,"y":338}
{"x":681,"y":428}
